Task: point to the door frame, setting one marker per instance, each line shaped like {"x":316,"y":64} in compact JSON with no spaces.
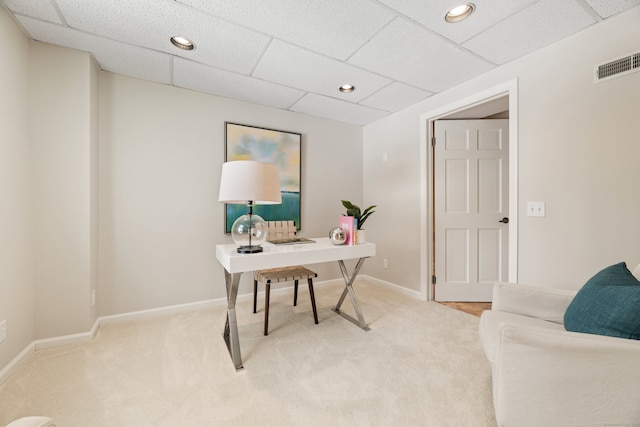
{"x":510,"y":89}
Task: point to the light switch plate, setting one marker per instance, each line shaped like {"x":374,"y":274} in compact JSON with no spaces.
{"x":536,"y":209}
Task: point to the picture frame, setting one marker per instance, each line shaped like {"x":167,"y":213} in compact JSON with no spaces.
{"x":281,"y":148}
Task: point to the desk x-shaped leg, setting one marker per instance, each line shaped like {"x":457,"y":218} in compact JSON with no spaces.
{"x":348,"y":289}
{"x":231,"y":336}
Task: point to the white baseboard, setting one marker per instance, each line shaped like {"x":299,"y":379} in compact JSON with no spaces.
{"x":6,"y":372}
{"x":17,"y":361}
{"x":162,"y":311}
{"x":46,"y":343}
{"x":401,"y":289}
{"x":68,"y":339}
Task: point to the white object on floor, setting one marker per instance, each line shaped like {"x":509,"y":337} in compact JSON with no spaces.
{"x":32,"y":422}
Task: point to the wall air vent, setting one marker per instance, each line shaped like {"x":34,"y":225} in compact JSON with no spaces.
{"x":617,"y":68}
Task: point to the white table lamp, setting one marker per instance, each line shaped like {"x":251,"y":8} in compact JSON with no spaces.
{"x":253,"y":183}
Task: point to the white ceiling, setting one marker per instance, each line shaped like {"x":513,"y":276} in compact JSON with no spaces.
{"x":294,"y":54}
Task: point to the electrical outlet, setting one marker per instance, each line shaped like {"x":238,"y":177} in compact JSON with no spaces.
{"x":3,"y":330}
{"x":385,"y":263}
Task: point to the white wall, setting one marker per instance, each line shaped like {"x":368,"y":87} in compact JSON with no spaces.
{"x":16,"y":261}
{"x":578,"y":152}
{"x":63,"y":177}
{"x":161,"y":152}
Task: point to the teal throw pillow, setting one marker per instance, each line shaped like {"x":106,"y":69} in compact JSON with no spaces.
{"x":608,"y":304}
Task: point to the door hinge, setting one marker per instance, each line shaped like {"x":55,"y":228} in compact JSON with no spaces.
{"x":433,"y":280}
{"x":433,"y":141}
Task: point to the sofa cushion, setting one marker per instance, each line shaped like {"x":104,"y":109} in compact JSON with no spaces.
{"x":608,"y":304}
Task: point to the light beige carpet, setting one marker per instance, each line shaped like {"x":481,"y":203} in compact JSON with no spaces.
{"x":420,"y":365}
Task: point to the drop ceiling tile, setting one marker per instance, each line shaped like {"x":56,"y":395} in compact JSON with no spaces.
{"x":199,"y":77}
{"x":312,"y":72}
{"x":335,"y":109}
{"x":41,"y":9}
{"x":507,"y":40}
{"x":133,"y":61}
{"x":336,"y":28}
{"x":151,"y":23}
{"x":395,"y":97}
{"x":397,"y":52}
{"x":111,"y":56}
{"x":431,"y":15}
{"x":607,"y":8}
{"x":408,"y":53}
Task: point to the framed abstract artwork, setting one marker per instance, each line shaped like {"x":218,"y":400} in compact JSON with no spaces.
{"x":283,"y":149}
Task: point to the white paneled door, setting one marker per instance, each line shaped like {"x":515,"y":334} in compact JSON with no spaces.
{"x":471,"y":208}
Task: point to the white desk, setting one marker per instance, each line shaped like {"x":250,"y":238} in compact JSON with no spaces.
{"x":275,"y":256}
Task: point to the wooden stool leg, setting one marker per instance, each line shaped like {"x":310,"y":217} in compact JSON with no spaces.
{"x":255,"y":294}
{"x":313,"y":300}
{"x":295,"y":293}
{"x":266,"y":308}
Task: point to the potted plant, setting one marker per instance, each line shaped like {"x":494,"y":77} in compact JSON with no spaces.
{"x":360,"y":217}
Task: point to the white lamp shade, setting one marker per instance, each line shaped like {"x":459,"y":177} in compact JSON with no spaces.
{"x":247,"y":180}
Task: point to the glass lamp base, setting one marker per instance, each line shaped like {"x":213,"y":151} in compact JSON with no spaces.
{"x":249,"y":232}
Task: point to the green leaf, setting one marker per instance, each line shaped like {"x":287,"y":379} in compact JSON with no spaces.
{"x":366,"y":211}
{"x":347,"y":204}
{"x":356,"y":212}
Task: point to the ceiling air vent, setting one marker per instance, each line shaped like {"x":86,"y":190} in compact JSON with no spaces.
{"x":617,"y":68}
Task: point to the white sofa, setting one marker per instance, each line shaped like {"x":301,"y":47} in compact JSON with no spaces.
{"x":546,"y":376}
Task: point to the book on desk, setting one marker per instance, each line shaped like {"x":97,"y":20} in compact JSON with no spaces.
{"x":291,"y":241}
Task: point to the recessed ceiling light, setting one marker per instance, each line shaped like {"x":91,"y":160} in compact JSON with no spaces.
{"x":459,"y":13}
{"x":182,"y":43}
{"x":347,"y":88}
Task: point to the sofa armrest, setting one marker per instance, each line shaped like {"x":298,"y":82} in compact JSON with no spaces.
{"x":552,"y":377}
{"x":32,"y":421}
{"x":532,"y":301}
